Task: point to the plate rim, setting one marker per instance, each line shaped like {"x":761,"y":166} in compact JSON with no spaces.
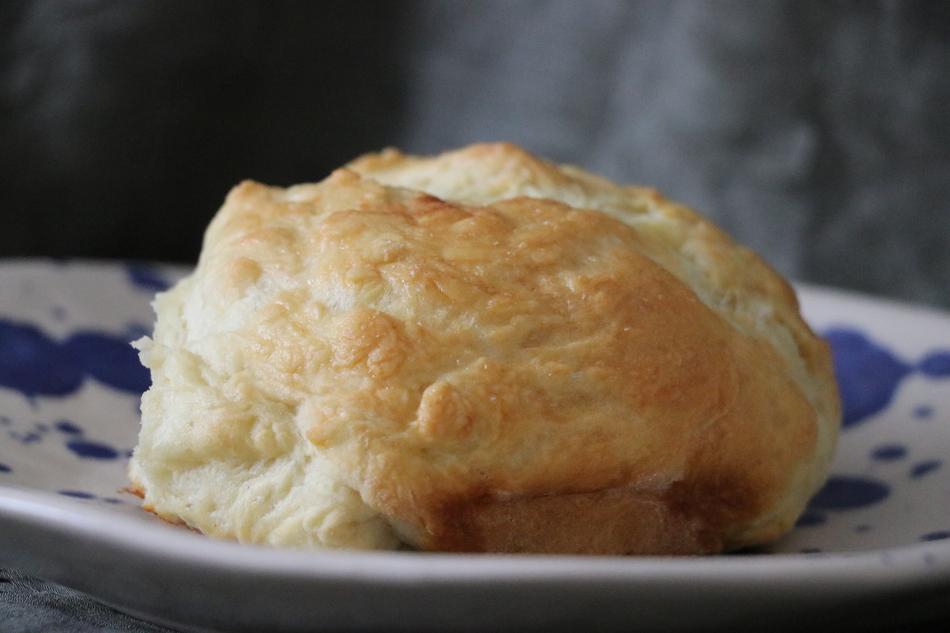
{"x":176,"y":546}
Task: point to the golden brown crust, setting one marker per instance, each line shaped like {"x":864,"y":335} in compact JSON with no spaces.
{"x":500,"y":354}
{"x":613,"y":521}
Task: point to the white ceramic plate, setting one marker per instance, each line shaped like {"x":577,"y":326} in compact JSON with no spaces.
{"x":872,"y":542}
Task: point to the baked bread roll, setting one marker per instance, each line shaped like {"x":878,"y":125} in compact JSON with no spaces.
{"x":480,"y":352}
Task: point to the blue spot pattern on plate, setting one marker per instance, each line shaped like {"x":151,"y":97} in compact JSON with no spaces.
{"x":935,"y":365}
{"x":924,"y":468}
{"x":75,"y":442}
{"x":34,"y":364}
{"x":868,"y":373}
{"x":810,"y":518}
{"x":85,"y":494}
{"x":65,"y":426}
{"x":110,"y":360}
{"x":846,"y":493}
{"x":92,"y":450}
{"x":135,"y":331}
{"x":889,"y":452}
{"x":25,"y":438}
{"x":5,"y":469}
{"x":923,"y":412}
{"x":77,"y":494}
{"x":146,"y":278}
{"x":935,"y":536}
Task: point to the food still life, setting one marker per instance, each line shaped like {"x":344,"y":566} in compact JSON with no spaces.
{"x":406,"y":188}
{"x":476,"y":353}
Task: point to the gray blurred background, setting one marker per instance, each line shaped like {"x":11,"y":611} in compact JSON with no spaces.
{"x":816,"y":132}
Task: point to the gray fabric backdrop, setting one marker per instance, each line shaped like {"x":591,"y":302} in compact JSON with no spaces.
{"x":817,"y":132}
